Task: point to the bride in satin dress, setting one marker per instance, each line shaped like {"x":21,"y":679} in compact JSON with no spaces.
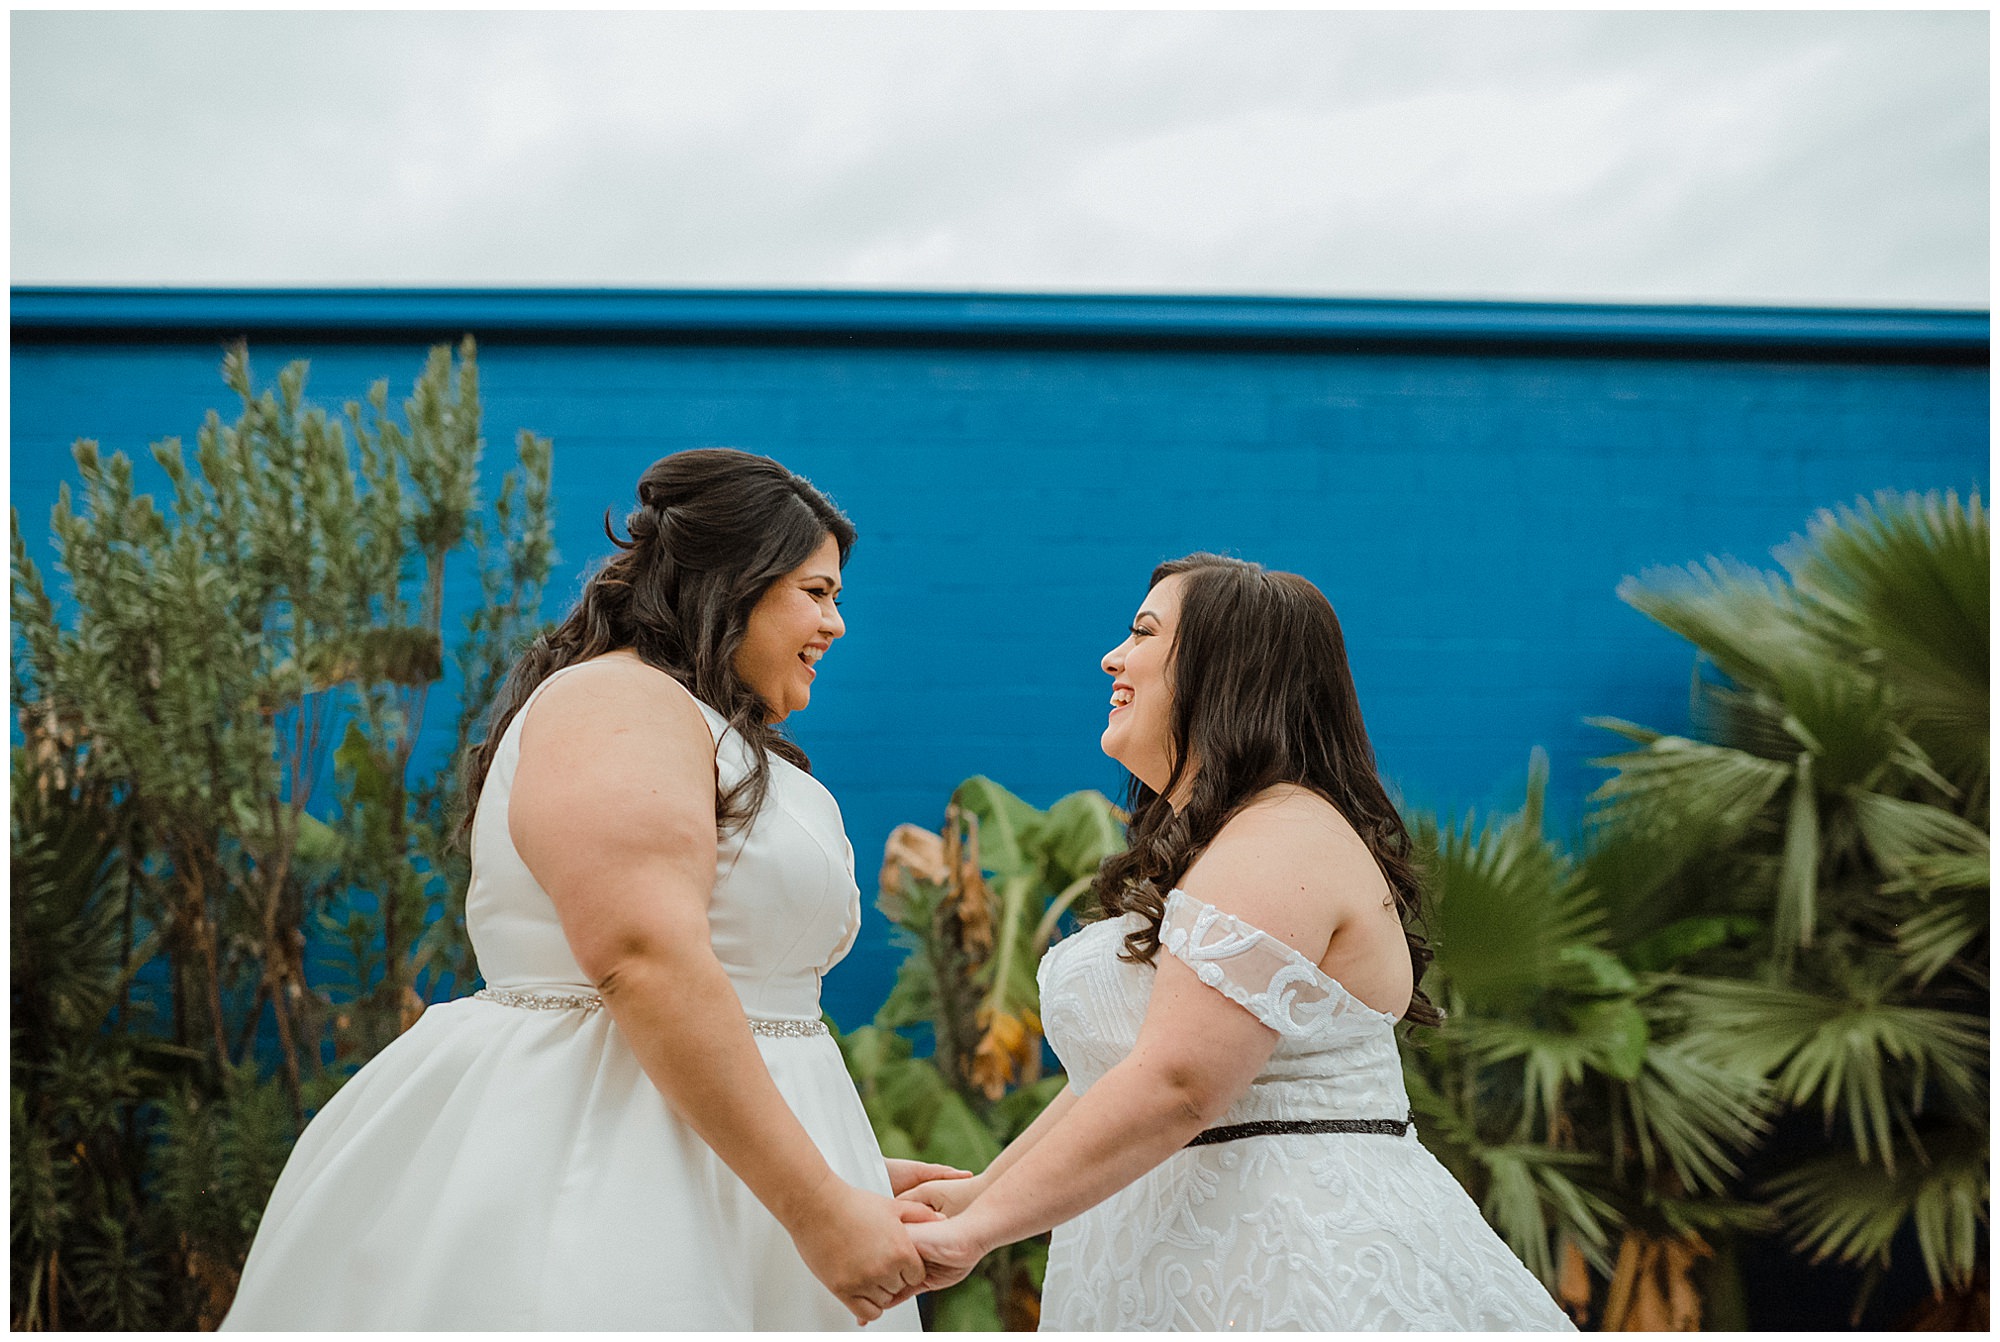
{"x":1234,"y":1147}
{"x":640,"y":1122}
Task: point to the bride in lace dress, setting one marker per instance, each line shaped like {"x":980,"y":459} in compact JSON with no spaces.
{"x":641,"y":1121}
{"x":1234,"y":1148}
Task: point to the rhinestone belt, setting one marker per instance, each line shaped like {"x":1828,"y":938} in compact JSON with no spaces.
{"x":1270,"y":1127}
{"x":562,"y":1001}
{"x":514,"y":997}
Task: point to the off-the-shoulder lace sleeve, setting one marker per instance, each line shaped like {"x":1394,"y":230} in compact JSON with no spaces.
{"x":1253,"y":969}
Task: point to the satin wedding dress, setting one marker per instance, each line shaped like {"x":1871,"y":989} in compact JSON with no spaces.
{"x":1326,"y":1231}
{"x":506,"y":1163}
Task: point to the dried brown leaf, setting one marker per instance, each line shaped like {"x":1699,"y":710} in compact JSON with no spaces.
{"x":914,"y":851}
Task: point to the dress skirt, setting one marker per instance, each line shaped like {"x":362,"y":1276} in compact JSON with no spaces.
{"x":502,"y":1167}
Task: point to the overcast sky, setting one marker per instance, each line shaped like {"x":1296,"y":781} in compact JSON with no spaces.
{"x":1696,"y":156}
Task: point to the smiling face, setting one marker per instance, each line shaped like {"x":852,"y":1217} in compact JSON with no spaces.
{"x":1140,"y":732}
{"x":790,"y":629}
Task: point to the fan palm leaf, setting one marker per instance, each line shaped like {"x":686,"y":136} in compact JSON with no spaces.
{"x":1906,"y":580}
{"x":1695,"y":1115}
{"x":66,"y":953}
{"x":1838,"y":1209}
{"x":1531,"y":1198}
{"x":1701,"y":796}
{"x":1940,"y":936}
{"x":1838,"y":1052}
{"x":1507,"y":904}
{"x":1919,"y":842}
{"x":1743,"y":619}
{"x":1843,"y":718}
{"x":1825,"y":840}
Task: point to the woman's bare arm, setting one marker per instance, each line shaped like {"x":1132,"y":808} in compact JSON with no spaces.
{"x":952,"y":1196}
{"x":613,"y":810}
{"x":1196,"y":1053}
{"x":1278,"y":868}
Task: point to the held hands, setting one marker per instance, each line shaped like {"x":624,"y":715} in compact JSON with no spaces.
{"x":950,"y":1248}
{"x":873,"y":1252}
{"x":950,"y":1195}
{"x":906,"y":1175}
{"x":857,"y":1244}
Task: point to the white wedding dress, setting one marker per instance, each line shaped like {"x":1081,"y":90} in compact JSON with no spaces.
{"x":1325,"y":1231}
{"x":506,"y":1163}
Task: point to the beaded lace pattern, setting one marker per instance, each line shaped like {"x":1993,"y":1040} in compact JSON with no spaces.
{"x":1328,"y":1221}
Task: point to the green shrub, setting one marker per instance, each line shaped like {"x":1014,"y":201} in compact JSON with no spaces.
{"x":174,"y":845}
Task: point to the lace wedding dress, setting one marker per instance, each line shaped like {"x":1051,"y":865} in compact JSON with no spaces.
{"x":1323,"y":1231}
{"x":506,"y":1163}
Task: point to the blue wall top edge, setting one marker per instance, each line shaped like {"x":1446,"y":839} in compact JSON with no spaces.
{"x":53,"y":312}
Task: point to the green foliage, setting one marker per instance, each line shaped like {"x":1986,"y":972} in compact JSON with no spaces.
{"x":1785,"y":909}
{"x":1814,"y":875}
{"x":180,"y":714}
{"x":975,"y":907}
{"x":1560,"y":1089}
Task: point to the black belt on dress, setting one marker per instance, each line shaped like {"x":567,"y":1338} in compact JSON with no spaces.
{"x":1270,"y":1127}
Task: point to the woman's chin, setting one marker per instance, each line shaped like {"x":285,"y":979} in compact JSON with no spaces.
{"x":1154,"y":778}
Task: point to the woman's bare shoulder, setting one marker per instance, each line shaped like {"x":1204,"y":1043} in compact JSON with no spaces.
{"x":1296,"y":819}
{"x":617,"y":693}
{"x":611,"y":751}
{"x":614,"y":724}
{"x":1290,"y":848}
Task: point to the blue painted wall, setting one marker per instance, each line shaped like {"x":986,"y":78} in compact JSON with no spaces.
{"x":1469,"y":510}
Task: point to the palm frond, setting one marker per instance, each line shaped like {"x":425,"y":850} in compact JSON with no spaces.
{"x":1905,"y":579}
{"x":1844,"y":716}
{"x":1914,"y":840}
{"x":1836,"y":1052}
{"x":1935,"y":938}
{"x":1852,"y":1211}
{"x":1696,"y":1115}
{"x":1750,"y":720}
{"x":1702,"y":795}
{"x":1745,"y":620}
{"x":1797,"y":907}
{"x":1549,"y":1059}
{"x":1507,"y":904}
{"x":1531,"y":1199}
{"x":65,"y":900}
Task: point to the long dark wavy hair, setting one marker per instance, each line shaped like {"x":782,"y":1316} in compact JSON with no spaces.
{"x":713,"y":530}
{"x":1261,"y":695}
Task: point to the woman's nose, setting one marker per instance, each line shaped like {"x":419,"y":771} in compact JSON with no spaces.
{"x":1114,"y":661}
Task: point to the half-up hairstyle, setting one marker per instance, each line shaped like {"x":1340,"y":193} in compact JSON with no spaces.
{"x":713,"y":530}
{"x":1262,"y":695}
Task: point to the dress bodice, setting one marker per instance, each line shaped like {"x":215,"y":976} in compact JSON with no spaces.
{"x":785,"y":908}
{"x":1343,"y":1231}
{"x":1336,"y":1056}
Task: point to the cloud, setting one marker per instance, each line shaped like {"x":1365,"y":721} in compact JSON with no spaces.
{"x":1814,"y":157}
